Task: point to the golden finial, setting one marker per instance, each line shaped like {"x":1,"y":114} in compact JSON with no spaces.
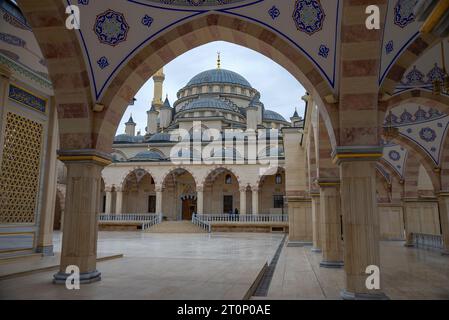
{"x":219,"y":60}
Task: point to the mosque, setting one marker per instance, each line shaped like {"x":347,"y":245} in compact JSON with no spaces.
{"x":214,"y":107}
{"x":219,"y":182}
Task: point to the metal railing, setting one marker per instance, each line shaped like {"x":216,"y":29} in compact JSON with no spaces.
{"x":147,"y":220}
{"x":428,"y":241}
{"x":242,"y":218}
{"x":196,"y":220}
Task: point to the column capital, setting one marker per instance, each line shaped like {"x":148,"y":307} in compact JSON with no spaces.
{"x":314,"y":194}
{"x":357,"y":153}
{"x":85,"y":155}
{"x":328,"y":182}
{"x":108,"y":189}
{"x":5,"y":71}
{"x":199,"y":188}
{"x":443,"y":193}
{"x":243,"y":189}
{"x":255,"y":188}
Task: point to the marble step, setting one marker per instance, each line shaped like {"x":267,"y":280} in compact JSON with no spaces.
{"x":176,"y":227}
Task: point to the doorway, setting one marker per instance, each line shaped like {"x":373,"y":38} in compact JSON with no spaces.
{"x":228,"y":204}
{"x":188,"y":208}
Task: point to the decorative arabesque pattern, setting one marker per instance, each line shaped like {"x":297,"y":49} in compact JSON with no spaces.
{"x":111,"y":27}
{"x":308,"y":16}
{"x":19,"y":172}
{"x":196,"y":3}
{"x":403,"y":12}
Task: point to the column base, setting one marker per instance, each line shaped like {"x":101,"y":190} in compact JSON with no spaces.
{"x":85,"y":278}
{"x":46,"y":251}
{"x":332,"y":264}
{"x":316,"y":250}
{"x":296,"y":243}
{"x":345,"y":295}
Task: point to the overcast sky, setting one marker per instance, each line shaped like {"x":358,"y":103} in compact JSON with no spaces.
{"x":279,"y":90}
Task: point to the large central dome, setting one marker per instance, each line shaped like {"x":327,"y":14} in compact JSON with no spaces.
{"x":219,"y":76}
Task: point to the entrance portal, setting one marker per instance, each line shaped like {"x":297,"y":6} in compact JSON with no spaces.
{"x":188,"y":208}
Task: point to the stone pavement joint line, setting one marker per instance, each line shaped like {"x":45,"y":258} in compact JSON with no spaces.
{"x":262,"y":289}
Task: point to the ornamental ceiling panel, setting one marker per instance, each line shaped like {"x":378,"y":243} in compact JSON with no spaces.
{"x":425,"y":126}
{"x":402,"y":29}
{"x":113,"y":31}
{"x":426,"y":69}
{"x":396,"y":156}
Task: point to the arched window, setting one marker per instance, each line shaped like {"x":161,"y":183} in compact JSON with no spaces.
{"x":228,"y":179}
{"x":278,"y":179}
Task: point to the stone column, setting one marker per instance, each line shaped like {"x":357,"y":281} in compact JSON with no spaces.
{"x":80,"y":231}
{"x":108,"y":206}
{"x":118,"y":201}
{"x":200,"y":200}
{"x":408,"y":211}
{"x":443,"y":204}
{"x":243,"y":201}
{"x":330,"y":212}
{"x":255,"y":200}
{"x":316,"y":222}
{"x":158,"y":189}
{"x":360,"y":219}
{"x":47,"y":214}
{"x":300,"y":230}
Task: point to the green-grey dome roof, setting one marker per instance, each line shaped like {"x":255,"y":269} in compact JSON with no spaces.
{"x":219,"y":76}
{"x":147,"y":156}
{"x":209,"y":103}
{"x":124,"y":138}
{"x":273,"y":116}
{"x":161,"y":137}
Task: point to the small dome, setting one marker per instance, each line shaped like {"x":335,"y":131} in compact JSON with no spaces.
{"x":209,"y":103}
{"x":273,"y":116}
{"x":219,"y":76}
{"x":147,"y":156}
{"x":124,"y":138}
{"x":160,"y":137}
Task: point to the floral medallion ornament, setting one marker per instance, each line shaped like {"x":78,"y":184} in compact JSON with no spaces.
{"x":428,"y":134}
{"x":274,"y":12}
{"x":389,"y":47}
{"x":323,"y":51}
{"x":403,"y":12}
{"x":394,"y":155}
{"x":111,"y":28}
{"x":195,"y":2}
{"x":308,"y":16}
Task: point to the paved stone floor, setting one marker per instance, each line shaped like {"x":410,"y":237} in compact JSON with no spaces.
{"x":162,"y":266}
{"x":224,"y":266}
{"x":408,"y":273}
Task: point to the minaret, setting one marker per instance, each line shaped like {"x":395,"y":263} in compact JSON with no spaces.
{"x":130,"y":128}
{"x":296,"y":119}
{"x":165,"y":114}
{"x":158,"y":79}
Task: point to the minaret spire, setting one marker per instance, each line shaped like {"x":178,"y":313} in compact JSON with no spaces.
{"x":158,"y":79}
{"x":219,"y":60}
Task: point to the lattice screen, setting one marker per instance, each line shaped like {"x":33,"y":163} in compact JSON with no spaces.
{"x":19,"y":171}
